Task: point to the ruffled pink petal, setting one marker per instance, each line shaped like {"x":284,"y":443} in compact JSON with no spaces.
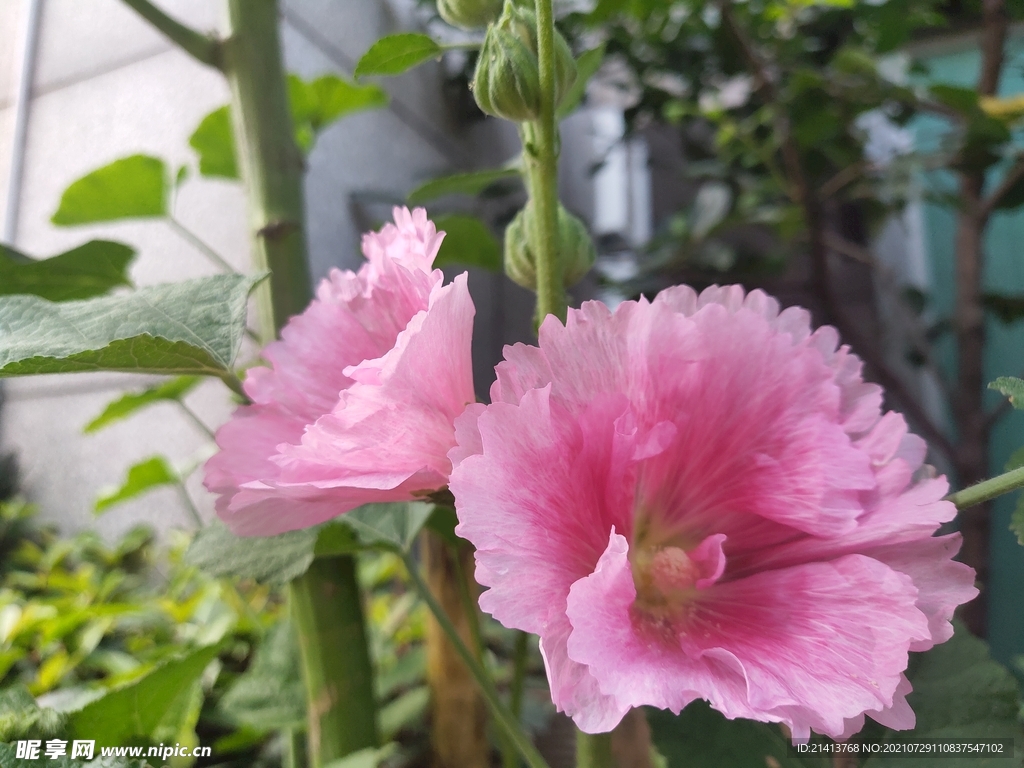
{"x":390,"y":425}
{"x":359,"y":400}
{"x":756,"y":647}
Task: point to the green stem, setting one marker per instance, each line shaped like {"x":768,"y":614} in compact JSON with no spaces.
{"x":295,"y":748}
{"x":468,"y":604}
{"x":988,"y":489}
{"x":327,"y":612}
{"x":594,"y":750}
{"x":271,"y":164}
{"x":519,"y":660}
{"x":544,"y":175}
{"x":520,"y":656}
{"x":200,"y":246}
{"x":189,"y":505}
{"x":196,"y":421}
{"x":501,"y":715}
{"x":201,"y":47}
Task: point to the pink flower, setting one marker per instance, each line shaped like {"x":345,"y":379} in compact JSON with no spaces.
{"x":698,"y":498}
{"x":359,"y":400}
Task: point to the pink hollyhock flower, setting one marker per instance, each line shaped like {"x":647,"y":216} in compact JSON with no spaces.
{"x":699,"y":498}
{"x":359,"y":400}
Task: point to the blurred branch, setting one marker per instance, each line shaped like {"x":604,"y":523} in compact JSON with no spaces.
{"x":1014,"y":175}
{"x":841,"y":179}
{"x":204,"y":48}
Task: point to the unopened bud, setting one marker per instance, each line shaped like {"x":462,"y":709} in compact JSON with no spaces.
{"x":507,"y":80}
{"x":575,"y":248}
{"x":469,"y":14}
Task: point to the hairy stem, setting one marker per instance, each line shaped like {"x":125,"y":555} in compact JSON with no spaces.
{"x":989,"y":489}
{"x":270,"y":162}
{"x":543,"y":170}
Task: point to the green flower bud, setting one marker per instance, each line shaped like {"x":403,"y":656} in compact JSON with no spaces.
{"x":469,"y":14}
{"x":519,"y":263}
{"x":575,"y":248}
{"x":507,"y":81}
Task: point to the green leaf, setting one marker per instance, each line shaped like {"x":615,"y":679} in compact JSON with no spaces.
{"x":136,"y":710}
{"x":393,"y":526}
{"x":81,"y":273}
{"x":395,"y":54}
{"x":152,"y":473}
{"x":318,"y":103}
{"x":472,"y":184}
{"x":586,"y":67}
{"x":214,"y":142}
{"x":21,"y":716}
{"x":1007,"y":308}
{"x":1012,"y":388}
{"x":272,"y":559}
{"x":131,"y":188}
{"x":270,"y":695}
{"x":700,"y":737}
{"x":194,"y":327}
{"x":959,"y":692}
{"x":126,"y":405}
{"x":467,"y":242}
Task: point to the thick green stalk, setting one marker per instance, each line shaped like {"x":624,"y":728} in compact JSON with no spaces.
{"x":271,"y":164}
{"x":502,"y":716}
{"x":327,"y":611}
{"x":594,"y":750}
{"x":543,"y":171}
{"x":988,"y":489}
{"x":326,"y":603}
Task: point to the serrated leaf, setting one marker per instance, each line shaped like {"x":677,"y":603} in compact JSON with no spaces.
{"x":271,"y":559}
{"x":126,"y":405}
{"x":136,"y":710}
{"x":1012,"y":388}
{"x":130,"y":188}
{"x":143,"y":477}
{"x":89,"y":270}
{"x":467,"y":242}
{"x":1007,"y":308}
{"x":194,"y":327}
{"x":270,"y":695}
{"x":392,"y":526}
{"x":472,"y":184}
{"x":586,"y":67}
{"x":700,"y":736}
{"x":214,"y":142}
{"x":395,"y":54}
{"x":317,"y":103}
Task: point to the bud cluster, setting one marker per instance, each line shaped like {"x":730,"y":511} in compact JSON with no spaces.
{"x":507,"y":79}
{"x":575,"y":248}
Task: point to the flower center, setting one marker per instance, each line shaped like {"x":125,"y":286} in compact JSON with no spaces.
{"x":668,"y":578}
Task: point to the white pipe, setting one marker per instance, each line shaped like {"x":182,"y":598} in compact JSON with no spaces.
{"x":22,"y":99}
